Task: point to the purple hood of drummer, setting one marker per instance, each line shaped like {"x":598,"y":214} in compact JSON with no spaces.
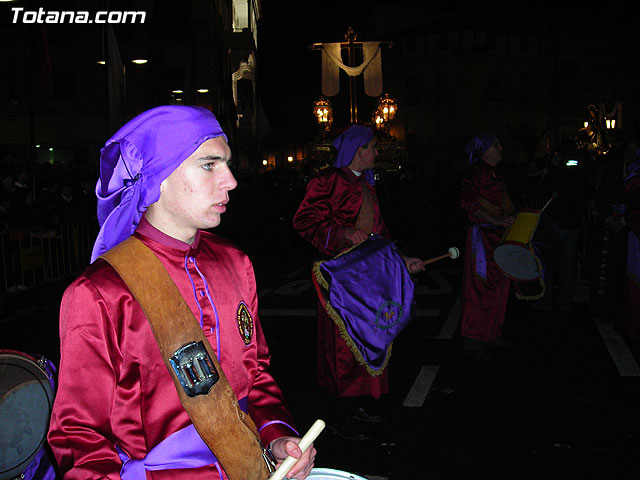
{"x":347,"y":144}
{"x":135,"y":161}
{"x":478,"y":145}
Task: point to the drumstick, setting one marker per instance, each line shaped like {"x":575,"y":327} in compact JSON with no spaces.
{"x":304,"y":443}
{"x":553,"y":195}
{"x":453,"y":253}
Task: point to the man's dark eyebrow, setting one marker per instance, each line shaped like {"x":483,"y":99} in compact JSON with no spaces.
{"x":208,"y":158}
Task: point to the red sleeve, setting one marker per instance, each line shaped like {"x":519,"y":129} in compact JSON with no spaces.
{"x":469,"y":196}
{"x":267,"y":406}
{"x":483,"y":189}
{"x":317,"y":218}
{"x":80,"y":431}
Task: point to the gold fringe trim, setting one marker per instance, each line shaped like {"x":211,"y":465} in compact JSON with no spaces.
{"x":342,"y":328}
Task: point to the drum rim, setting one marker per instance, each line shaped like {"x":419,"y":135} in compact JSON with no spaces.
{"x":42,"y":377}
{"x":342,"y":474}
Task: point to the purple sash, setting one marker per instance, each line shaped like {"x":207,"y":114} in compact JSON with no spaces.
{"x":181,"y":449}
{"x":477,"y":246}
{"x":368,"y":292}
{"x":40,"y":468}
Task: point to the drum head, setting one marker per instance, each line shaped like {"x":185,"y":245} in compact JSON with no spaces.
{"x":517,"y":262}
{"x":330,"y":474}
{"x":26,"y":399}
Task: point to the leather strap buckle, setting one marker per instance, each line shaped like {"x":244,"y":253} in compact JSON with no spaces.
{"x":194,"y":369}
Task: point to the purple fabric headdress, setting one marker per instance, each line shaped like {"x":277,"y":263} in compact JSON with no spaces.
{"x":137,"y":158}
{"x":348,"y":143}
{"x":478,"y":145}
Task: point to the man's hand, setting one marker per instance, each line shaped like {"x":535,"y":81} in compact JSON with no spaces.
{"x":414,"y":265}
{"x":505,"y":220}
{"x":288,"y":446}
{"x":354,"y":236}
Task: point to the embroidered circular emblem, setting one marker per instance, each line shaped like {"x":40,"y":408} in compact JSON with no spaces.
{"x":388,"y":315}
{"x":245,"y":323}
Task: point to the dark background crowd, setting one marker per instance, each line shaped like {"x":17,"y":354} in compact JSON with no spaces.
{"x":421,"y":208}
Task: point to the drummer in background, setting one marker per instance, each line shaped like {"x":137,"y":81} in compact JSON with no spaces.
{"x":340,"y":209}
{"x":164,"y":177}
{"x":484,"y":197}
{"x":629,"y":322}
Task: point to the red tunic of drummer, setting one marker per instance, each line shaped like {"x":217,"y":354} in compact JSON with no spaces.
{"x":484,"y":196}
{"x":332,"y":203}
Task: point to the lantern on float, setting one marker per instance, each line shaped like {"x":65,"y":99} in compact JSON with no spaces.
{"x":323,"y":112}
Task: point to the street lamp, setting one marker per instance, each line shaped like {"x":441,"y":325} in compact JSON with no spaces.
{"x":323,"y":112}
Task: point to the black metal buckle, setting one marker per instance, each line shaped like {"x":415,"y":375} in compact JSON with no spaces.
{"x":194,"y":369}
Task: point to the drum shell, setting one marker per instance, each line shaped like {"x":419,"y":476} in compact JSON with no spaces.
{"x":514,"y":255}
{"x":26,"y":399}
{"x":523,"y":228}
{"x":539,"y":254}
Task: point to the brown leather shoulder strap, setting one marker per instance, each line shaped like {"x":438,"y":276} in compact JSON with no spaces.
{"x":201,"y":384}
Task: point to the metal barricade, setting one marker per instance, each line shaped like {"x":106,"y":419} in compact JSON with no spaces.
{"x":31,"y":257}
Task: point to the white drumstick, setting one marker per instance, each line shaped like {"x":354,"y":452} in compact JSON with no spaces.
{"x":304,"y":443}
{"x":453,"y":253}
{"x":554,"y":195}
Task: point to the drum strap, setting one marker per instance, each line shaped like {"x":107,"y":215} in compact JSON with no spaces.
{"x":364,"y":221}
{"x":201,"y":384}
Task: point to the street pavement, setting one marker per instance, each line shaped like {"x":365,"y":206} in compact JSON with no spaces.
{"x":561,"y":403}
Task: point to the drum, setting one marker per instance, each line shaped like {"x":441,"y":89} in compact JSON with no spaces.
{"x":330,"y":474}
{"x":368,"y":292}
{"x":515,"y":255}
{"x":27,"y":387}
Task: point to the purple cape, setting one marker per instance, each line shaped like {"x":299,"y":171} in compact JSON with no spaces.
{"x":348,"y":143}
{"x":137,"y":158}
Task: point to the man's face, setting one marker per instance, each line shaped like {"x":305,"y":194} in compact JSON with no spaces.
{"x":368,"y":154}
{"x":195,"y":195}
{"x":493,"y":156}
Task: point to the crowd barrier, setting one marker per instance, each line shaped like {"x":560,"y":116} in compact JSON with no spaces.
{"x":38,"y":255}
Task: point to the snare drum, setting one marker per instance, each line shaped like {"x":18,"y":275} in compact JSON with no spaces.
{"x":331,"y":474}
{"x":27,"y":388}
{"x":515,"y":255}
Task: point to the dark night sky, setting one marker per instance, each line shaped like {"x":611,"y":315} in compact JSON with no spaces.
{"x":289,"y":72}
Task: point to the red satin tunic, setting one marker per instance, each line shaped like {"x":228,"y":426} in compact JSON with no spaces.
{"x":114,"y":388}
{"x":331,"y":203}
{"x":484,"y":300}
